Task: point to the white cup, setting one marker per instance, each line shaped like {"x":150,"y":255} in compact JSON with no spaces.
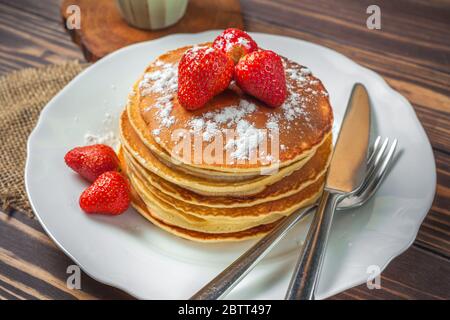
{"x":152,"y":14}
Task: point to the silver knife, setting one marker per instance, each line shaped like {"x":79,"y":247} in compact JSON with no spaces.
{"x":345,"y":174}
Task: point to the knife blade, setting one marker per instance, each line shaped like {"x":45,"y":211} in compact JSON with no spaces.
{"x":345,"y":174}
{"x":348,"y":163}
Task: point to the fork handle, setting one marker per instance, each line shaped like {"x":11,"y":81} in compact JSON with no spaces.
{"x":307,"y":269}
{"x":231,"y":276}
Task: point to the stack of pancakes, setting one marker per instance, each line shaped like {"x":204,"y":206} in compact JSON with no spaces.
{"x":185,"y":190}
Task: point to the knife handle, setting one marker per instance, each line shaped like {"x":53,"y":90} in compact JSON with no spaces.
{"x":307,"y":269}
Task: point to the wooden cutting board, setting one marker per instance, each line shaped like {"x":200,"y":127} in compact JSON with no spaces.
{"x":103,"y":30}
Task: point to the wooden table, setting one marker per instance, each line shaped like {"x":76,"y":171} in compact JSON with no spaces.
{"x":411,"y":51}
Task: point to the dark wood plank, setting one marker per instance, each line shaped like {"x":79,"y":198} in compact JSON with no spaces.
{"x":436,"y":125}
{"x":416,"y":274}
{"x":434,"y":233}
{"x":48,"y":9}
{"x":31,"y":40}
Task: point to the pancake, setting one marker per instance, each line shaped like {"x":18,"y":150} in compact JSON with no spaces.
{"x":137,"y":122}
{"x":289,"y":185}
{"x":155,"y":114}
{"x":169,"y":215}
{"x":135,"y":147}
{"x":258,"y":212}
{"x":251,"y":233}
{"x":202,"y":236}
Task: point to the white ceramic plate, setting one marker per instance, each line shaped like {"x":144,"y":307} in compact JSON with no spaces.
{"x":130,"y":253}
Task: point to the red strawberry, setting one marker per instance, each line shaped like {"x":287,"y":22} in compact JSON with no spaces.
{"x":202,"y":73}
{"x":109,"y":194}
{"x":261,"y":74}
{"x":92,"y":161}
{"x":235,"y":43}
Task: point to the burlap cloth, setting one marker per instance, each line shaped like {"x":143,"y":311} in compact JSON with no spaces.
{"x":23,"y":94}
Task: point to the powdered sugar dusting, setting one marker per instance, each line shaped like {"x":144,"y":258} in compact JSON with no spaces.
{"x":209,"y":50}
{"x":196,"y":48}
{"x":163,"y":81}
{"x":247,"y":137}
{"x":227,"y":116}
{"x":106,"y":134}
{"x":210,"y":131}
{"x":241,"y":41}
{"x":165,"y":105}
{"x":295,"y":74}
{"x":108,"y":138}
{"x":244,"y":42}
{"x":232,"y":114}
{"x":272,"y":124}
{"x":247,"y":141}
{"x":294,"y":108}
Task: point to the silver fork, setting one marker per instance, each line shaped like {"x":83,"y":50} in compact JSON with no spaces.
{"x":378,"y":163}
